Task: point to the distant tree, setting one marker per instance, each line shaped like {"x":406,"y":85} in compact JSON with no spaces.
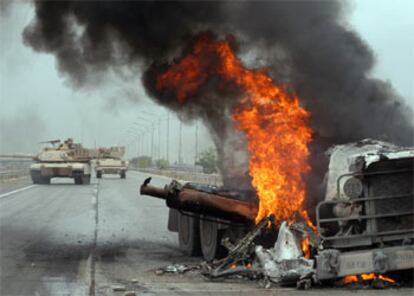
{"x":141,"y":162}
{"x":162,"y":164}
{"x":208,"y":161}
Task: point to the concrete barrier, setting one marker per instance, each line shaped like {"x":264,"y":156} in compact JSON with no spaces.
{"x":14,"y":167}
{"x":11,"y":175}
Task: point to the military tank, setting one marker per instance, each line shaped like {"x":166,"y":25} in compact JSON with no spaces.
{"x":63,"y":160}
{"x":110,"y":162}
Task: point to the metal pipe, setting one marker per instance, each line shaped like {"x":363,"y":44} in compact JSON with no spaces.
{"x":154,"y":191}
{"x":216,"y":205}
{"x":200,"y":202}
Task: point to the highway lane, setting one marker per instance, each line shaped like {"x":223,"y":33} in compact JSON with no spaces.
{"x":46,"y":234}
{"x":53,"y":237}
{"x":66,"y":239}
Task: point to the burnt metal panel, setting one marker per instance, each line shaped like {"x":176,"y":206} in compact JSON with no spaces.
{"x":387,"y":208}
{"x":332,"y":263}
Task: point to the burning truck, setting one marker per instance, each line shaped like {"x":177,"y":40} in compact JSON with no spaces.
{"x":364,"y":224}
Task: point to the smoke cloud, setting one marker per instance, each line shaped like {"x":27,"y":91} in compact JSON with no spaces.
{"x":302,"y":43}
{"x":20,"y":132}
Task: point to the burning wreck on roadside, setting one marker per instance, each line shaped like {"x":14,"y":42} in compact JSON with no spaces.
{"x":364,"y":224}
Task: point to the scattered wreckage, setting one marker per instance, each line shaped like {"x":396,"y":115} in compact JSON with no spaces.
{"x":364,"y":225}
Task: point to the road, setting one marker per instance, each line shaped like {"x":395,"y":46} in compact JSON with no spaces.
{"x":66,"y":239}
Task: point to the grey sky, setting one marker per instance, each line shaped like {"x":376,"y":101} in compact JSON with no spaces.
{"x":37,"y":104}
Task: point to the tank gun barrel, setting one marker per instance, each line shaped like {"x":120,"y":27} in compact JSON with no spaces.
{"x":199,"y":202}
{"x":53,"y":142}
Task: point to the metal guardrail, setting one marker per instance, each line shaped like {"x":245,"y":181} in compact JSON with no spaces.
{"x":211,"y":179}
{"x":17,"y":156}
{"x":7,"y":175}
{"x":14,"y":166}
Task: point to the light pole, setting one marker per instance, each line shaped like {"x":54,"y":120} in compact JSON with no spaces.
{"x":159,"y":137}
{"x":196,"y":142}
{"x":167,"y":151}
{"x":152,"y":133}
{"x":180,"y":160}
{"x":138,"y":135}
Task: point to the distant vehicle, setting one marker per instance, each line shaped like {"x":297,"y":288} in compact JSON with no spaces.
{"x":110,"y":162}
{"x":67,"y":160}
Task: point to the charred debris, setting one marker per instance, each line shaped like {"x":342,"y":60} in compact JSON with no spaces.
{"x":285,"y":262}
{"x":364,"y":225}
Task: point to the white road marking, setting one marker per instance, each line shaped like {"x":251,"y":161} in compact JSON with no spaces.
{"x":16,"y":191}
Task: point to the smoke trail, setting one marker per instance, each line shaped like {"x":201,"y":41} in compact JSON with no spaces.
{"x":303,"y":42}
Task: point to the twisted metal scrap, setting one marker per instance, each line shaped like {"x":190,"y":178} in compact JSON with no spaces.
{"x":239,"y":255}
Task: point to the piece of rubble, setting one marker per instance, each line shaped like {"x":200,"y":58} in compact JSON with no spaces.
{"x":134,"y":281}
{"x":118,"y":288}
{"x":240,"y":256}
{"x":286,"y":246}
{"x":175,"y":268}
{"x":304,"y":284}
{"x":284,"y":263}
{"x":130,"y":293}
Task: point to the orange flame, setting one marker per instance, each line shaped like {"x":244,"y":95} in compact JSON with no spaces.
{"x":305,"y":247}
{"x":366,"y":277}
{"x":276,"y":126}
{"x":387,"y":279}
{"x":349,"y":279}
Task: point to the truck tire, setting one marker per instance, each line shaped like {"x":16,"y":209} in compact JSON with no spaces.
{"x":188,"y":235}
{"x":210,"y":240}
{"x":86,"y":179}
{"x":123,"y":174}
{"x":99,"y":174}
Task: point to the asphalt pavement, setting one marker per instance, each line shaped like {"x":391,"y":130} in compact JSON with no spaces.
{"x":66,"y":239}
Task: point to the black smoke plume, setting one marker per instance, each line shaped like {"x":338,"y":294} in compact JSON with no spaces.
{"x":304,"y":43}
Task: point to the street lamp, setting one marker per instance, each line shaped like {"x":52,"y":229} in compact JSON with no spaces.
{"x":152,"y":123}
{"x":152,"y":133}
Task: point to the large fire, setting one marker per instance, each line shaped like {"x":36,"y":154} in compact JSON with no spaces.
{"x":275,"y":125}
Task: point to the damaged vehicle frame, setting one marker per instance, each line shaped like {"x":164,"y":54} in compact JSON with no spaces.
{"x":365,"y":222}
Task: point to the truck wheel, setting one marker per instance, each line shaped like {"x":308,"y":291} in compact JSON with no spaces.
{"x":86,"y":179}
{"x":99,"y":175}
{"x":210,"y":240}
{"x":123,"y":174}
{"x":188,"y":235}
